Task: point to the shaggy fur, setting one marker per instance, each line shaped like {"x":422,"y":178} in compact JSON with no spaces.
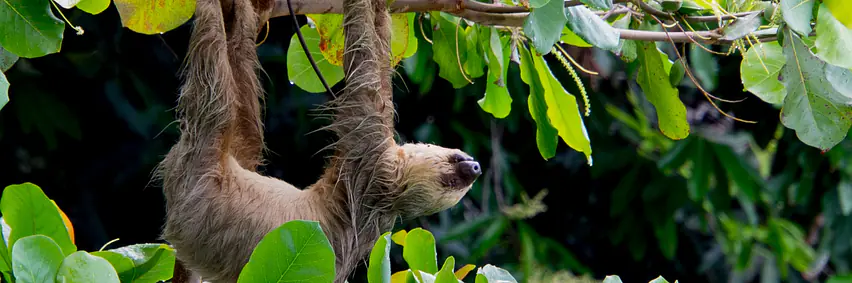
{"x":219,"y":207}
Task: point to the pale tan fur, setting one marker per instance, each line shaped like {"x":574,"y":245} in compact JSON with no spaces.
{"x":219,"y":207}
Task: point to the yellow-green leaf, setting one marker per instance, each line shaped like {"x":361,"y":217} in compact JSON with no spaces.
{"x":153,"y":17}
{"x":93,"y":7}
{"x":399,"y":237}
{"x":329,"y":27}
{"x":462,"y":272}
{"x":569,"y":37}
{"x":446,"y":275}
{"x":400,"y":38}
{"x":379,"y":270}
{"x":563,"y":111}
{"x":833,"y":38}
{"x":840,"y":9}
{"x":653,"y":79}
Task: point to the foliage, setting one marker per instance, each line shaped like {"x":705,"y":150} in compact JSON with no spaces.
{"x":40,"y":248}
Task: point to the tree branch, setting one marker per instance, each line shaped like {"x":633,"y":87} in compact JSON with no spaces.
{"x":514,"y":16}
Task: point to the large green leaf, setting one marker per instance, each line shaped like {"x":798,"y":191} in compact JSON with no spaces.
{"x":93,"y":7}
{"x":299,"y":68}
{"x":591,"y":28}
{"x":4,"y":90}
{"x":544,"y":26}
{"x":448,"y":40}
{"x":5,"y":255}
{"x":833,"y":39}
{"x":296,"y":251}
{"x":36,"y":259}
{"x":141,"y":262}
{"x":379,"y":270}
{"x":153,"y":17}
{"x":653,"y":77}
{"x":840,"y":9}
{"x":7,"y":59}
{"x":798,"y":15}
{"x":493,"y":274}
{"x":545,"y":135}
{"x":82,"y":267}
{"x":563,"y":111}
{"x":535,"y":4}
{"x":29,"y":29}
{"x":759,"y":71}
{"x":497,"y":100}
{"x":419,"y":251}
{"x":820,"y":115}
{"x":28,"y":211}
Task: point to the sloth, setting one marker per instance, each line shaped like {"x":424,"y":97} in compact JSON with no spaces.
{"x":218,"y":206}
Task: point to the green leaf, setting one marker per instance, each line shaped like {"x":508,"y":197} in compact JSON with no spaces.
{"x":4,"y":90}
{"x":141,"y":262}
{"x":329,"y":27}
{"x":667,"y":238}
{"x":833,"y":39}
{"x":844,"y":193}
{"x":677,"y":72}
{"x":599,"y":4}
{"x":29,"y":212}
{"x":702,"y":163}
{"x":546,"y":135}
{"x":299,"y":68}
{"x":840,"y":8}
{"x":544,"y":26}
{"x":563,"y":111}
{"x":612,"y":279}
{"x":497,"y":100}
{"x":93,"y":7}
{"x":82,"y":267}
{"x":7,"y":59}
{"x":759,"y":72}
{"x":412,"y":39}
{"x":29,"y":29}
{"x":5,"y":255}
{"x":626,"y":48}
{"x":739,"y":171}
{"x":659,"y":279}
{"x":840,"y":279}
{"x":742,"y":26}
{"x":818,"y":113}
{"x":36,"y":258}
{"x":153,"y":17}
{"x":798,"y":15}
{"x":653,"y":78}
{"x":446,"y":275}
{"x":379,"y":269}
{"x":297,"y":250}
{"x":419,"y":251}
{"x":493,"y":274}
{"x":400,"y":37}
{"x":490,"y":237}
{"x":571,"y":38}
{"x":444,"y":49}
{"x":591,"y":28}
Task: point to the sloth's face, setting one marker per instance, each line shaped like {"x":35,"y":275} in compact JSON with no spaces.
{"x":432,"y":178}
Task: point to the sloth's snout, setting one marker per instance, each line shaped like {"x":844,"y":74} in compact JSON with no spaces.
{"x":468,"y":171}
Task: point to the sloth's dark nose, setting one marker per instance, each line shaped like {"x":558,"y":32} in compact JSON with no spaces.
{"x":468,"y":171}
{"x":459,"y":157}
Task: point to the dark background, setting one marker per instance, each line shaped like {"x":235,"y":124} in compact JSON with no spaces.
{"x":89,"y":124}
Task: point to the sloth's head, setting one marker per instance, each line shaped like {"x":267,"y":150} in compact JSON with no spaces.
{"x":432,"y":178}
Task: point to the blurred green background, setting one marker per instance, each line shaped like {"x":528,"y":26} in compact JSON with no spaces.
{"x":734,"y":202}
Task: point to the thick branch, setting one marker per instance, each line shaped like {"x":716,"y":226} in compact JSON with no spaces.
{"x":515,"y":16}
